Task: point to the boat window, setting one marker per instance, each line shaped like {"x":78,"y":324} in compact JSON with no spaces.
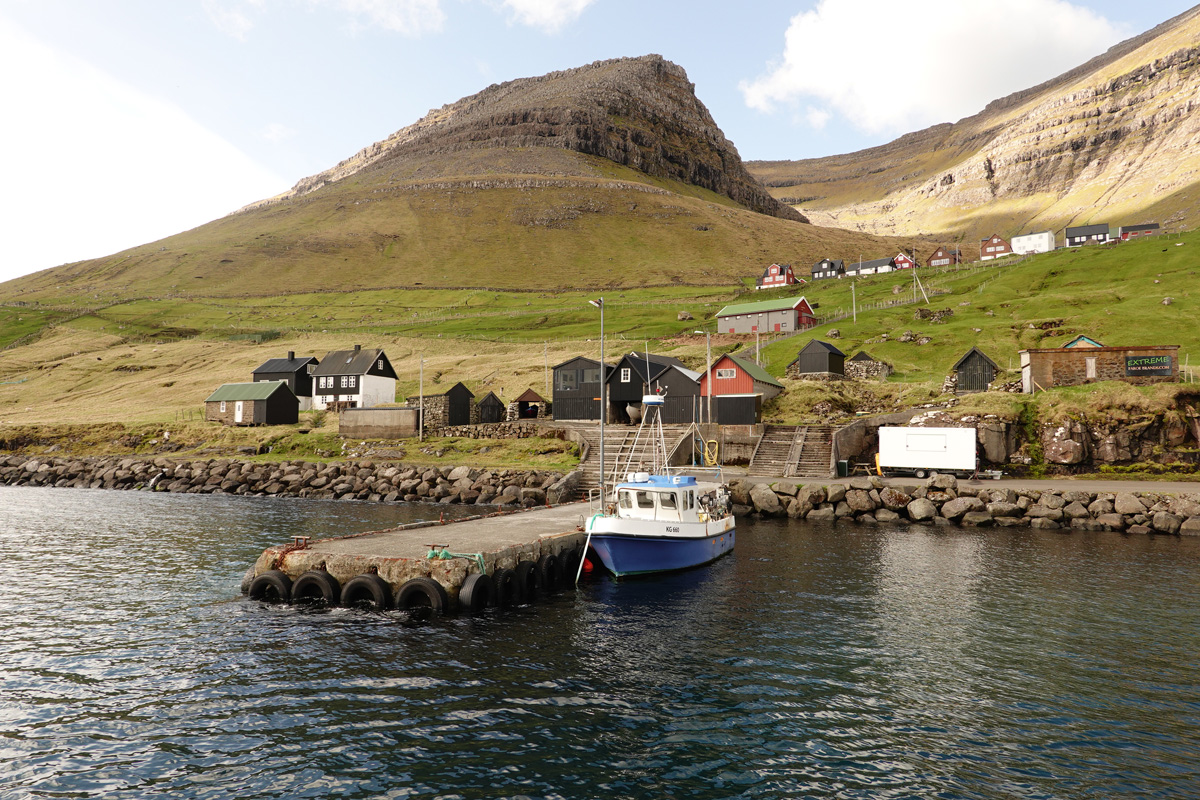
{"x":689,"y":500}
{"x":625,"y":501}
{"x":645,"y":500}
{"x":668,"y":500}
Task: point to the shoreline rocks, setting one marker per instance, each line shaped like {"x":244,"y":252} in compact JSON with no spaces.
{"x":350,"y":480}
{"x":943,"y":500}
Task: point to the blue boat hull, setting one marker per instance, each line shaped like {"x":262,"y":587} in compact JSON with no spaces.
{"x":625,"y":554}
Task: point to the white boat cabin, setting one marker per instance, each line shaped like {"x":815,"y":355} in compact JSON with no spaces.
{"x":660,"y":497}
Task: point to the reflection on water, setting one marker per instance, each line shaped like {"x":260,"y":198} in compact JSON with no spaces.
{"x":813,"y":661}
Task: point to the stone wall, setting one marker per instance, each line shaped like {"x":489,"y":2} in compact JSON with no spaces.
{"x":354,"y":480}
{"x":868,"y":370}
{"x":943,"y":500}
{"x":793,"y":372}
{"x":498,"y":430}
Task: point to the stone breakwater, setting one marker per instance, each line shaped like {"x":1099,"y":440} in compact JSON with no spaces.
{"x":356,"y":480}
{"x":943,"y":500}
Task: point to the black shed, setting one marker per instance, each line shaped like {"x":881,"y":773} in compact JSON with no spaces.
{"x":975,"y":371}
{"x":818,"y":356}
{"x":458,"y":405}
{"x":577,"y":389}
{"x":491,"y":408}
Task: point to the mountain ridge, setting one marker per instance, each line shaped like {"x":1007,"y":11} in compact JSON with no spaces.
{"x":1110,"y":138}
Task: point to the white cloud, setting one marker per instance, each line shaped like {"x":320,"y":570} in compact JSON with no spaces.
{"x":94,"y":166}
{"x":276,"y":132}
{"x":409,"y":17}
{"x":891,"y":67}
{"x":549,"y":15}
{"x":230,"y":21}
{"x":817,"y":118}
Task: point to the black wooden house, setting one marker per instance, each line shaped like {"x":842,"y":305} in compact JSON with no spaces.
{"x":295,"y":372}
{"x":491,"y":408}
{"x":637,"y":375}
{"x":975,"y":371}
{"x":818,"y":356}
{"x":577,"y":389}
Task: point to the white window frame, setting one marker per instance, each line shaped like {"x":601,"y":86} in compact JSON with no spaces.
{"x":222,"y":406}
{"x":726,"y":374}
{"x":625,"y":374}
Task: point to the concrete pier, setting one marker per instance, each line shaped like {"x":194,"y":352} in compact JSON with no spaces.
{"x":397,"y":555}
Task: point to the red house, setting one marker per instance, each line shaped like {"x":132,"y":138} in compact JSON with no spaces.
{"x":775,"y":276}
{"x":944,"y":257}
{"x":904,"y":261}
{"x":993,"y":247}
{"x":738,"y":375}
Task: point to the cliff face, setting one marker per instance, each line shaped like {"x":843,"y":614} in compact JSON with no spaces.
{"x":1113,"y":141}
{"x":639,"y":112}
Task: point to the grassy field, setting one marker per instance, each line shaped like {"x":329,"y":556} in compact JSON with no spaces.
{"x":148,"y":365}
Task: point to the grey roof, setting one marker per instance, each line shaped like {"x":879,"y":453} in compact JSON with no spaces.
{"x":248,"y":391}
{"x":352,"y":362}
{"x":829,"y":263}
{"x":286,"y":364}
{"x":1088,"y":230}
{"x":817,"y":343}
{"x":967,"y":355}
{"x":863,"y":355}
{"x":855,"y":266}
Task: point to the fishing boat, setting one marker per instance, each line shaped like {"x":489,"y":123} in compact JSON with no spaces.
{"x":657,"y":520}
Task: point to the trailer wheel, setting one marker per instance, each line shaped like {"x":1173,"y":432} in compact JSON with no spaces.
{"x":920,"y":473}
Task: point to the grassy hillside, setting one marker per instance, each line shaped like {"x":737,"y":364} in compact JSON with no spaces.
{"x":126,"y":364}
{"x":600,"y":226}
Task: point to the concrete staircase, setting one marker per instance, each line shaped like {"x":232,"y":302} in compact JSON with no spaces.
{"x":619,"y":447}
{"x":815,"y":458}
{"x":790,"y":451}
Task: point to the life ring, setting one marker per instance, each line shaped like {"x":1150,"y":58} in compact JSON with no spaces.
{"x":273,"y":586}
{"x":476,"y":592}
{"x":316,"y":587}
{"x":530,"y":580}
{"x":505,"y":589}
{"x":548,"y":567}
{"x":422,"y":596}
{"x":367,"y":591}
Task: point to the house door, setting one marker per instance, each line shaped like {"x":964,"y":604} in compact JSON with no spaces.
{"x":777,"y":327}
{"x":237,"y":411}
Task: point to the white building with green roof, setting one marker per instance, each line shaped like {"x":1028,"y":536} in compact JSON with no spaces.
{"x":767,"y":316}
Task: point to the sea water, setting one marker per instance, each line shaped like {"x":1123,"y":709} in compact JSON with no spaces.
{"x":838,"y":661}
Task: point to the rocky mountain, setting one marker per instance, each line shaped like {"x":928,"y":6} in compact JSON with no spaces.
{"x":612,"y":174}
{"x":638,"y":112}
{"x":1114,"y":140}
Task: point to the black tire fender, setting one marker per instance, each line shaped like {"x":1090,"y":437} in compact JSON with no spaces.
{"x":530,"y":580}
{"x":476,"y":592}
{"x":549,"y":568}
{"x":569,"y":559}
{"x":506,"y":591}
{"x":272,"y":586}
{"x":422,"y":593}
{"x":367,"y":591}
{"x":317,"y":587}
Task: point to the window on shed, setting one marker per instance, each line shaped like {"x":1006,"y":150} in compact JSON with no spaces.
{"x":723,"y":374}
{"x":625,"y":373}
{"x":222,"y":406}
{"x":591,"y":375}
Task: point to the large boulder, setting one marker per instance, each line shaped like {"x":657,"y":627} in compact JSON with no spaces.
{"x":835,"y":493}
{"x":1166,"y":522}
{"x":1128,"y":503}
{"x":860,"y":501}
{"x":921,"y":510}
{"x":765,"y":501}
{"x":893,"y":499}
{"x":563,"y":490}
{"x":961,"y":505}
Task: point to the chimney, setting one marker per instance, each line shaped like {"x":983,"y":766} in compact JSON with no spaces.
{"x":357,"y":347}
{"x":291,"y":355}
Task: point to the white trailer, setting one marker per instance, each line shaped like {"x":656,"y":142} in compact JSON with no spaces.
{"x":925,"y":451}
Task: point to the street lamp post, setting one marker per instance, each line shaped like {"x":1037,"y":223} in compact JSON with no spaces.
{"x":599,"y":303}
{"x":708,"y":355}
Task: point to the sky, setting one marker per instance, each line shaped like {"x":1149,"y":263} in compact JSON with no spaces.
{"x":126,"y":121}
